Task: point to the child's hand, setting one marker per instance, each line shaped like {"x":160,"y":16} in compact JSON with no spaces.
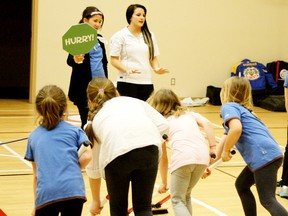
{"x":206,"y":173}
{"x":163,"y":188}
{"x":95,"y":208}
{"x":79,"y":58}
{"x":226,"y":156}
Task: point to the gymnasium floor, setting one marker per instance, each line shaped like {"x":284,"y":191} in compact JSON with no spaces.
{"x":213,"y":196}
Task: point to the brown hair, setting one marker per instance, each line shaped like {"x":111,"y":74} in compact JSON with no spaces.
{"x":88,"y":13}
{"x":99,"y":90}
{"x":166,"y":102}
{"x":51,"y":103}
{"x":145,"y":30}
{"x":237,"y":89}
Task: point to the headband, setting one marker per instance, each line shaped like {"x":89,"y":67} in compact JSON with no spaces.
{"x":96,"y":13}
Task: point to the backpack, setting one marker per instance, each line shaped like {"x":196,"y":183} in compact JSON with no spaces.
{"x":278,"y":69}
{"x":256,"y":73}
{"x":262,"y":82}
{"x":273,"y":103}
{"x":213,"y":93}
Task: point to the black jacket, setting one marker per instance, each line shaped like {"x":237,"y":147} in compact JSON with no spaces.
{"x":81,"y":76}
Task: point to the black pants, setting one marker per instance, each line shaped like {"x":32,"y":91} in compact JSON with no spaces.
{"x":139,"y":91}
{"x":83,"y":112}
{"x":284,"y":178}
{"x":265,"y":180}
{"x":66,"y":208}
{"x":140,"y":167}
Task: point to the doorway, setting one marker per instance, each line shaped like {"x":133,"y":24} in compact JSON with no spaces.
{"x":15,"y":48}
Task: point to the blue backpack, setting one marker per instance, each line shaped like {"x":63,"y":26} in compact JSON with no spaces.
{"x":256,"y":73}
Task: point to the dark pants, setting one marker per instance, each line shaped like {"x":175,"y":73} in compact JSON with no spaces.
{"x":265,"y":180}
{"x":140,"y":167}
{"x":139,"y":91}
{"x":284,"y":178}
{"x":83,"y":112}
{"x":66,"y":208}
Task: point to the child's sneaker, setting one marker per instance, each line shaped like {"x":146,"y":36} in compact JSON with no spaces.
{"x":283,"y":192}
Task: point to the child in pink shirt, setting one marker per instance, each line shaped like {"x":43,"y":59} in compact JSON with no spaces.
{"x":190,"y":154}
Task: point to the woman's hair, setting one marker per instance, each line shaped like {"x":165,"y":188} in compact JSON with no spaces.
{"x":51,"y":103}
{"x":99,"y":90}
{"x":145,"y":30}
{"x":90,"y":12}
{"x":237,"y":89}
{"x":166,"y":102}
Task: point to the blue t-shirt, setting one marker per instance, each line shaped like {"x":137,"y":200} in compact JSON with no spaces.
{"x":55,"y":154}
{"x":96,"y":56}
{"x":256,"y":144}
{"x":286,"y":81}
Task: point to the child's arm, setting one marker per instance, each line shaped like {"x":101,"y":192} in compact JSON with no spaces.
{"x":208,"y":128}
{"x":234,"y":133}
{"x":163,"y":169}
{"x":286,"y":98}
{"x":95,"y":185}
{"x":34,"y":184}
{"x":85,"y":157}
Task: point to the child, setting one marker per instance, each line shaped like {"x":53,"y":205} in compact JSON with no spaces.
{"x":190,"y":152}
{"x":283,"y":191}
{"x":85,"y":67}
{"x":52,"y":149}
{"x":127,"y":132}
{"x":256,"y":145}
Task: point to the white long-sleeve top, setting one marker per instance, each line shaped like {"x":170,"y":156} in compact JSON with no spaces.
{"x":124,"y":124}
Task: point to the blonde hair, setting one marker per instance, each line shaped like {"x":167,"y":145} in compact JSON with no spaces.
{"x":166,"y":102}
{"x":51,"y":103}
{"x":99,"y":90}
{"x":237,"y":89}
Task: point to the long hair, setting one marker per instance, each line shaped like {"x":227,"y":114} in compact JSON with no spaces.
{"x":91,"y":11}
{"x":166,"y":102}
{"x":237,"y":89}
{"x":145,"y":30}
{"x":99,"y":90}
{"x":51,"y":103}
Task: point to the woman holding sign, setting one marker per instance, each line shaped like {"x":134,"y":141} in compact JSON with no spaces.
{"x":134,"y":52}
{"x":87,"y":66}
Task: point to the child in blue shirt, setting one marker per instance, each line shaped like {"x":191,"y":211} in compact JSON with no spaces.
{"x":256,"y":145}
{"x":283,"y":191}
{"x":52,"y":149}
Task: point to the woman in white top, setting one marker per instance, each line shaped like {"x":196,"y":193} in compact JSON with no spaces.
{"x":127,"y":143}
{"x":134,"y":52}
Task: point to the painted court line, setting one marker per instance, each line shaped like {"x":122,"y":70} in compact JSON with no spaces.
{"x":15,"y":171}
{"x":17,"y":155}
{"x":210,"y":208}
{"x":216,"y":211}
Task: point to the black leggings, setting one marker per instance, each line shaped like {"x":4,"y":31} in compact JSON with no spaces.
{"x":140,"y":167}
{"x":66,"y":208}
{"x":284,"y":178}
{"x":265,"y":180}
{"x":83,"y":112}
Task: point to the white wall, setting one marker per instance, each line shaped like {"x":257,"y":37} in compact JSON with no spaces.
{"x":199,"y":40}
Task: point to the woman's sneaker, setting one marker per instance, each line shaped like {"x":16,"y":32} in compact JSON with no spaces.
{"x":283,"y":191}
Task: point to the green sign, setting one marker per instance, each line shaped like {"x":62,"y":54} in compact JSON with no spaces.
{"x":79,"y":39}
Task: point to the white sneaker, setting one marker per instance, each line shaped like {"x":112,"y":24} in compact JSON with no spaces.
{"x":283,"y":191}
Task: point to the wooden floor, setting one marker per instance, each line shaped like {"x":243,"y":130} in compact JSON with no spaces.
{"x":215,"y":195}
